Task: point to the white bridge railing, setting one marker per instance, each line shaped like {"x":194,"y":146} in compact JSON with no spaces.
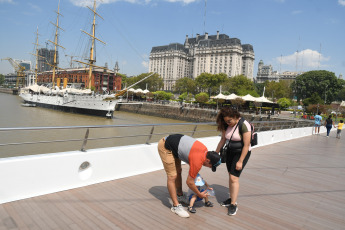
{"x":34,"y":175}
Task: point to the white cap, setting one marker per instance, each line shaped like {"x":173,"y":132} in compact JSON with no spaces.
{"x":199,"y":181}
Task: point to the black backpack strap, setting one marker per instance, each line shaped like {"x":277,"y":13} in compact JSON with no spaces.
{"x":240,"y":123}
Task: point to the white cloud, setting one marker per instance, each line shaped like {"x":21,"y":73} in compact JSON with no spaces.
{"x":303,"y":60}
{"x":341,"y":2}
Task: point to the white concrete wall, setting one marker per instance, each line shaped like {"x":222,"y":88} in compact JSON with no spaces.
{"x":30,"y":176}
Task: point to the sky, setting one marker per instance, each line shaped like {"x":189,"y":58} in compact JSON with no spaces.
{"x":290,"y":35}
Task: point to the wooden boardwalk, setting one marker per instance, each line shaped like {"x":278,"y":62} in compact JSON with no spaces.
{"x":298,"y":184}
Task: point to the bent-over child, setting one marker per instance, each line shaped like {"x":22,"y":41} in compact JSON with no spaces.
{"x":199,"y":182}
{"x":340,"y":126}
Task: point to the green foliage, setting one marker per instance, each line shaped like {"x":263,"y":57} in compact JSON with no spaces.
{"x":341,"y":94}
{"x":161,"y":95}
{"x":2,"y":79}
{"x":202,"y":98}
{"x":238,"y":102}
{"x":239,"y":85}
{"x":210,"y":82}
{"x":284,"y":103}
{"x":322,"y":82}
{"x":314,"y":99}
{"x":259,"y":88}
{"x":243,"y":92}
{"x":154,"y":83}
{"x":185,"y":96}
{"x":279,"y":89}
{"x":185,"y":84}
{"x":314,"y":109}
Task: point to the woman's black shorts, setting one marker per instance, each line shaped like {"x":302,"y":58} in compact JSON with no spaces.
{"x":231,"y":160}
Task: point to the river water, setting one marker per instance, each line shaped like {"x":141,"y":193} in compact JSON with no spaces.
{"x":14,"y":115}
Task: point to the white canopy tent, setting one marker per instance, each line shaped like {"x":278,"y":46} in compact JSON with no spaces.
{"x":263,"y":100}
{"x":231,"y":96}
{"x":247,"y":97}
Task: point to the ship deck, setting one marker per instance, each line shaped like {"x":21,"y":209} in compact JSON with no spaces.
{"x":296,"y":184}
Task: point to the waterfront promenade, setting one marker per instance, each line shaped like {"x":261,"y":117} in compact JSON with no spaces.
{"x":296,"y":184}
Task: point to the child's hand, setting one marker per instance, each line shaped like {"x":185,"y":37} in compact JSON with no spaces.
{"x":209,"y":188}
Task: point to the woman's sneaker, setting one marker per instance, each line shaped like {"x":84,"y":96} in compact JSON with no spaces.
{"x":226,"y":203}
{"x":232,"y":210}
{"x":179,"y":210}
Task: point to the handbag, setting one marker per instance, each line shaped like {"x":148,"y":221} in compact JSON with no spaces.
{"x":224,"y":151}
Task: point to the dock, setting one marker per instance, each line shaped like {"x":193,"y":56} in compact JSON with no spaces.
{"x":296,"y":184}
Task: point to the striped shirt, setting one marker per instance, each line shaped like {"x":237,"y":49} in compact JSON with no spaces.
{"x":188,"y":150}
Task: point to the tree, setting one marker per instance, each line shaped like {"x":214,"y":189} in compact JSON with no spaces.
{"x":185,"y":96}
{"x":240,"y":85}
{"x":238,"y":102}
{"x":210,"y":82}
{"x":185,"y":84}
{"x":322,"y":82}
{"x":341,"y":95}
{"x":2,"y":79}
{"x":154,"y":83}
{"x":259,"y":87}
{"x":313,"y":100}
{"x":161,"y":95}
{"x":284,"y":103}
{"x":279,"y":89}
{"x":202,"y":98}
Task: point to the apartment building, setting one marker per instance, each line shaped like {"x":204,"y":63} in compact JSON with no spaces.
{"x":204,"y":53}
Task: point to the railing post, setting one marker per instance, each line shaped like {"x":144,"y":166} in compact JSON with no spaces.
{"x":85,"y":141}
{"x":194,"y":130}
{"x":149,"y":138}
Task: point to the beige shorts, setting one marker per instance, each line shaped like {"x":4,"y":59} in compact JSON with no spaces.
{"x":170,"y":163}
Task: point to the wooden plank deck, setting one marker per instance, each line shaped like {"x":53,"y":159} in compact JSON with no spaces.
{"x":296,"y":184}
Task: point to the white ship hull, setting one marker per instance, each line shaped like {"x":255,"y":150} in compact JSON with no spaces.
{"x":84,"y":104}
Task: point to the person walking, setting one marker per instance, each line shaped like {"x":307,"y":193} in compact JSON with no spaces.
{"x":239,"y":151}
{"x":317,"y":123}
{"x":340,"y":127}
{"x":328,"y":123}
{"x":174,"y":148}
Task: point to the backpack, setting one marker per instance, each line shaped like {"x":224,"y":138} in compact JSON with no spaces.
{"x":254,"y":136}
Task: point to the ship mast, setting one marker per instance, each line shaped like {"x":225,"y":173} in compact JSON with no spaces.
{"x":56,"y":43}
{"x":36,"y":65}
{"x":92,"y":59}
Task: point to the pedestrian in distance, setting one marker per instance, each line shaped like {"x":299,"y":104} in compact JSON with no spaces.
{"x":340,"y":127}
{"x":328,"y":123}
{"x":238,"y":152}
{"x":199,"y":183}
{"x":174,"y":148}
{"x":317,"y":123}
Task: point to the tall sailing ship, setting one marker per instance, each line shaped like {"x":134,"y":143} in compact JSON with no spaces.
{"x":61,"y":97}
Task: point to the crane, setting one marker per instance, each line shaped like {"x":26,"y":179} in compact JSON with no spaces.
{"x":19,"y":71}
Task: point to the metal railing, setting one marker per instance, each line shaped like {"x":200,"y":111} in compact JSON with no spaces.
{"x":147,"y":132}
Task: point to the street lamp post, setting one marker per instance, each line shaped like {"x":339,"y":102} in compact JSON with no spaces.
{"x":325,"y":93}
